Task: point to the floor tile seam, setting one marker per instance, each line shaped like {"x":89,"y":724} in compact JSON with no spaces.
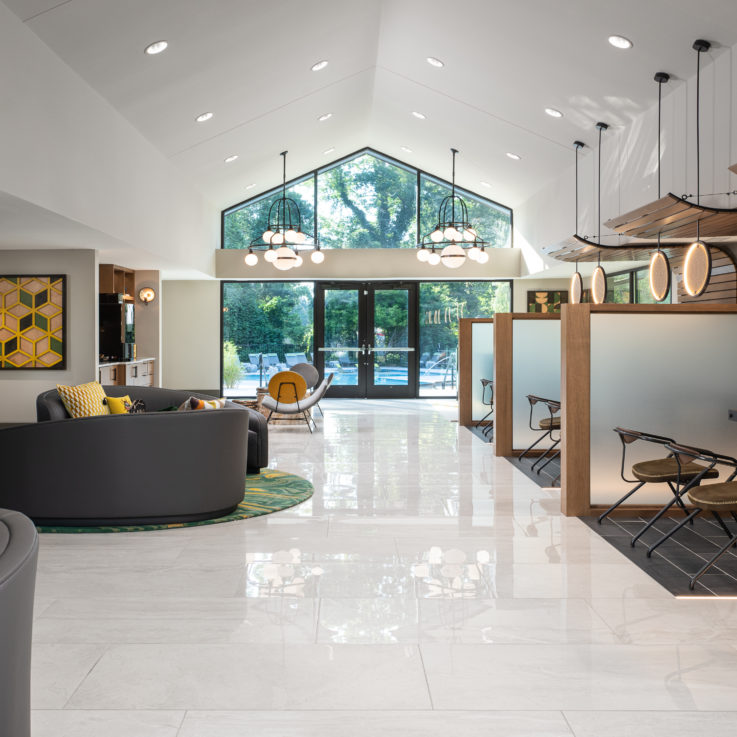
{"x":568,"y":724}
{"x":600,"y":618}
{"x":181,"y":723}
{"x":104,"y":652}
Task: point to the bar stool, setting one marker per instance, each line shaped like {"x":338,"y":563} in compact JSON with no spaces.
{"x":719,"y":498}
{"x":658,"y":471}
{"x":487,"y":384}
{"x":547,"y":425}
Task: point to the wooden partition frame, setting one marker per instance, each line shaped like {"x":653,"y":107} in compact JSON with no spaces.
{"x":465,"y":368}
{"x":576,"y":398}
{"x":504,"y":378}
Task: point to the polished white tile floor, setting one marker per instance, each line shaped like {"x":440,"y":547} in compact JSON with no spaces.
{"x":426,"y":589}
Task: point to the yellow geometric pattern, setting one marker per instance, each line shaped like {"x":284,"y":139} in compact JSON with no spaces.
{"x":32,"y":322}
{"x":84,"y":400}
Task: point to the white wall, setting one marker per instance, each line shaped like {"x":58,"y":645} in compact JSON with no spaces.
{"x":19,"y":387}
{"x":65,"y":149}
{"x":190,"y":335}
{"x":629,"y":160}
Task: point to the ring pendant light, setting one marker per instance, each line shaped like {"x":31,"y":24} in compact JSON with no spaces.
{"x":598,"y":280}
{"x":283,"y":238}
{"x":697,"y":264}
{"x":576,"y":286}
{"x":453,"y":237}
{"x":659,"y":272}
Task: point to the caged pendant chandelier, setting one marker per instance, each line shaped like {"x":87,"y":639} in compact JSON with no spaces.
{"x":453,"y":237}
{"x":284,"y":238}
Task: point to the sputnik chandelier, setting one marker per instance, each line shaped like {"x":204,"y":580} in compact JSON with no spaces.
{"x":284,"y":238}
{"x":453,"y":237}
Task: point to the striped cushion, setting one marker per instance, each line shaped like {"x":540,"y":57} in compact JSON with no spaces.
{"x":84,"y":400}
{"x":195,"y":403}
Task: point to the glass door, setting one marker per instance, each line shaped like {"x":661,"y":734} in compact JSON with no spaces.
{"x":366,"y":336}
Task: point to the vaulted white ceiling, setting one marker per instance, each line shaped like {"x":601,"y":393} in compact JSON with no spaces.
{"x":248,"y":62}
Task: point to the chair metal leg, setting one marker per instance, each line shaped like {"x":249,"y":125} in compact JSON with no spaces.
{"x":732,"y":540}
{"x":721,"y":522}
{"x":670,"y":533}
{"x":304,"y":414}
{"x":320,"y":408}
{"x":653,"y":521}
{"x":679,"y":499}
{"x":552,"y":457}
{"x":269,"y":417}
{"x":488,"y":430}
{"x":602,"y":516}
{"x":529,"y":448}
{"x":483,"y":419}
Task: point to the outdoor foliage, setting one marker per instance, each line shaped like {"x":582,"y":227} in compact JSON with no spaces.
{"x":367,"y":202}
{"x":232,"y":369}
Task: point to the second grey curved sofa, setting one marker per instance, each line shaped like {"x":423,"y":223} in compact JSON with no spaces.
{"x":18,"y":558}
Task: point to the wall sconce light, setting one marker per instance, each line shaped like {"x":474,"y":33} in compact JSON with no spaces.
{"x":147,"y":295}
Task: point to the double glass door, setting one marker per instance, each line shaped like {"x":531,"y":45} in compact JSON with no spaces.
{"x":366,"y":335}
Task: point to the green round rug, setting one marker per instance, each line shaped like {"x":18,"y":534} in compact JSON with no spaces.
{"x":266,"y":492}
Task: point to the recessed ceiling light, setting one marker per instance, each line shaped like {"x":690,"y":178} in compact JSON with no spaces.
{"x":251,"y":185}
{"x":317,"y":66}
{"x":419,"y":116}
{"x":620,"y":42}
{"x":485,"y":184}
{"x":432,"y":61}
{"x":553,"y":113}
{"x":325,"y":117}
{"x":231,"y":158}
{"x":156,"y":47}
{"x":329,"y":150}
{"x":407,"y":149}
{"x":204,"y":117}
{"x":514,"y":157}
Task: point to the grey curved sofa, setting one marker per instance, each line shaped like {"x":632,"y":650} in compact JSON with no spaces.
{"x":18,"y":557}
{"x":151,"y":468}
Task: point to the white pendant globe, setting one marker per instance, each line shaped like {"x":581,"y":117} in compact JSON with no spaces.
{"x":317,"y":257}
{"x":436,"y":236}
{"x":299,"y":261}
{"x":433,"y":259}
{"x":482,"y":258}
{"x":469,"y":234}
{"x":291,"y":236}
{"x":422,"y":254}
{"x":453,"y":256}
{"x":270,"y":256}
{"x":266,"y":235}
{"x":285,"y":258}
{"x":251,"y":259}
{"x":277,"y":239}
{"x":473,"y":253}
{"x":452,"y":234}
{"x":301,"y":237}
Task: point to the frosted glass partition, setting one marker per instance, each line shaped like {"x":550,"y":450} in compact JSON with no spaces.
{"x":669,"y":374}
{"x":482,"y":365}
{"x":535,"y":370}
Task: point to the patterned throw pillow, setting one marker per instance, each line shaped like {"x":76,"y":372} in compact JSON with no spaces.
{"x":84,"y":400}
{"x":195,"y":403}
{"x":119,"y":405}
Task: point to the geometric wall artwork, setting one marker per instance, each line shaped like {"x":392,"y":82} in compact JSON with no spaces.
{"x":546,"y":301}
{"x":32,"y":322}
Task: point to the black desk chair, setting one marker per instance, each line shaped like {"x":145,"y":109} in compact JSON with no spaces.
{"x":658,"y":471}
{"x":719,"y":498}
{"x":548,"y":425}
{"x":487,"y":384}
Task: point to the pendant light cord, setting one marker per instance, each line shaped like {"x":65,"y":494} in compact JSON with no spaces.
{"x":698,"y":127}
{"x":576,"y":228}
{"x":599,"y":187}
{"x":660,"y":103}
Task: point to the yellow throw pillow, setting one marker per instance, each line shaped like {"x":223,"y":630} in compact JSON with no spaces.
{"x":84,"y":400}
{"x":119,"y":405}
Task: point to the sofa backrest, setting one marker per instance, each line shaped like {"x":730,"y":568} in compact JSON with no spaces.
{"x":18,"y":554}
{"x":50,"y":407}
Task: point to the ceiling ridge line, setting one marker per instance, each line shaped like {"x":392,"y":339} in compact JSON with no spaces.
{"x":269,"y":112}
{"x":48,"y":10}
{"x":473,"y":107}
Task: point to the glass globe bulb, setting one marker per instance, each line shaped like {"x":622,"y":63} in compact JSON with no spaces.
{"x":473,"y":253}
{"x":317,"y":257}
{"x":452,"y":234}
{"x":251,"y":259}
{"x":301,"y":237}
{"x":470,"y":234}
{"x":270,"y":256}
{"x":433,"y":258}
{"x":277,"y":239}
{"x":453,"y":256}
{"x":422,"y":254}
{"x":267,"y":234}
{"x":298,"y":261}
{"x":483,"y":257}
{"x":436,"y":236}
{"x":285,"y":258}
{"x":290,"y":236}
